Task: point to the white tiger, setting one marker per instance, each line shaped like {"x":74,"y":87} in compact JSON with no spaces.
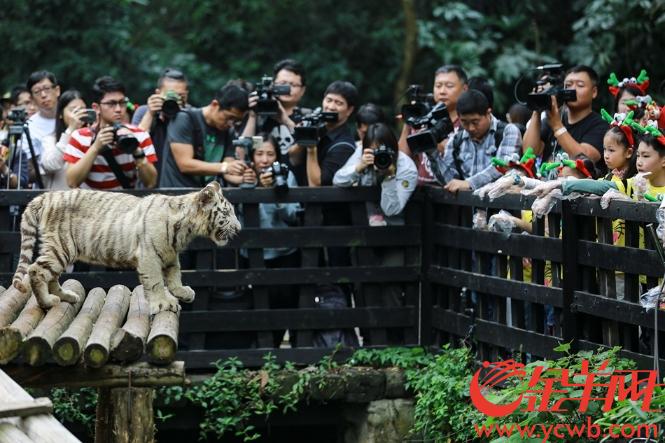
{"x":119,"y":230}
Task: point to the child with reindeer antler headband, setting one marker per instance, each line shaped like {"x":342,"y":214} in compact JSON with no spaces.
{"x":627,"y":89}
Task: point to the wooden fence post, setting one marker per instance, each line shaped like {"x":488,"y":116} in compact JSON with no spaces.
{"x":571,"y":275}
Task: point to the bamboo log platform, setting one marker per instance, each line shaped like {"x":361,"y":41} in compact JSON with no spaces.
{"x":163,"y":339}
{"x":12,"y":336}
{"x":100,"y":328}
{"x":11,"y":302}
{"x":39,"y":344}
{"x":68,"y":348}
{"x":128,"y":343}
{"x":97,"y":350}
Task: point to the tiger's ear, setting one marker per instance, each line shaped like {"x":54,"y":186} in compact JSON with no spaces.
{"x":216,"y":186}
{"x":206,"y":195}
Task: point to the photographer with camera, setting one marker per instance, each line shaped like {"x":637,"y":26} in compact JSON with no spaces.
{"x":71,"y":114}
{"x":450,"y":81}
{"x":575,"y":130}
{"x":335,"y":142}
{"x":199,"y":146}
{"x":12,"y":158}
{"x":109,"y":154}
{"x":379,"y":161}
{"x":289,"y":74}
{"x":154,"y":117}
{"x":466,"y":163}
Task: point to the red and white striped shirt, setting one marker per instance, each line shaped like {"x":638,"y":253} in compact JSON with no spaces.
{"x":101,"y":175}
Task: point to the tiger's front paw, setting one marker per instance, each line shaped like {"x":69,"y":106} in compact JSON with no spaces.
{"x":69,"y":296}
{"x":164,"y":303}
{"x":47,"y":301}
{"x":184,"y":293}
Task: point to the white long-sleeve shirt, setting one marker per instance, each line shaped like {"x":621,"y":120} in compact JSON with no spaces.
{"x":395,"y":192}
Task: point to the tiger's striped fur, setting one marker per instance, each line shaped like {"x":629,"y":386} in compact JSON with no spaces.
{"x":119,"y":230}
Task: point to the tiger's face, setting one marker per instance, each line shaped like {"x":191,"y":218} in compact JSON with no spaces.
{"x":220,"y":217}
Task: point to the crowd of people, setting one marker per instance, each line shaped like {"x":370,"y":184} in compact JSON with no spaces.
{"x":252,"y":136}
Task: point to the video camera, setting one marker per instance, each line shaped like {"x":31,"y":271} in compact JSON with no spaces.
{"x":312,"y":127}
{"x":419,"y":102}
{"x":127,"y":143}
{"x":267,"y":92}
{"x":18,"y":116}
{"x":384,"y":157}
{"x":280,"y":172}
{"x":552,"y":75}
{"x":438,"y":125}
{"x":171,"y":105}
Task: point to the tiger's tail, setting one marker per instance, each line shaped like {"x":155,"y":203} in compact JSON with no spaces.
{"x":29,"y":230}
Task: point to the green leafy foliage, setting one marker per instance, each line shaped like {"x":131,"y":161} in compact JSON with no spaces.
{"x":75,"y":406}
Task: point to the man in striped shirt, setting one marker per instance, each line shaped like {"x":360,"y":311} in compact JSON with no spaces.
{"x":96,"y":161}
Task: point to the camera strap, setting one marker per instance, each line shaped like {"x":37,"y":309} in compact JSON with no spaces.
{"x":117,"y":170}
{"x":457,"y":144}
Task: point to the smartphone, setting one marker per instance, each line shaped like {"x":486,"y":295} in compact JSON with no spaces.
{"x":90,"y":116}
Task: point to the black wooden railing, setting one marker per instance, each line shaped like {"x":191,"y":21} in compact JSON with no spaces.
{"x":457,"y":282}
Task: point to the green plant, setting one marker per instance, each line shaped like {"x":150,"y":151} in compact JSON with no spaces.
{"x":75,"y":406}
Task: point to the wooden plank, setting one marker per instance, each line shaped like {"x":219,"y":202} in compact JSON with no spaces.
{"x":543,"y":248}
{"x":140,"y":374}
{"x":298,"y":237}
{"x":616,"y":258}
{"x":26,"y":408}
{"x":228,"y":277}
{"x":297,"y":319}
{"x":40,"y":428}
{"x":495,"y":285}
{"x":320,"y":194}
{"x":496,"y":334}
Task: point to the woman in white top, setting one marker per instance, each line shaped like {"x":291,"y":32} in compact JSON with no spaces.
{"x":71,"y":114}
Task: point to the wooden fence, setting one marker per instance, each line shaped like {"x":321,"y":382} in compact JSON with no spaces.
{"x":457,"y":282}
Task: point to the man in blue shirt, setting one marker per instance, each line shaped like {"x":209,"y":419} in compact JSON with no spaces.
{"x":466,"y":163}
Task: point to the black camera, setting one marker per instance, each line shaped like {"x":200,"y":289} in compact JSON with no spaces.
{"x":127,"y":143}
{"x":280,"y":173}
{"x":384,"y":157}
{"x":437,"y":124}
{"x":171,"y":107}
{"x":17,"y":116}
{"x":312,"y":127}
{"x":419,"y":103}
{"x":550,"y":75}
{"x":267,"y":92}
